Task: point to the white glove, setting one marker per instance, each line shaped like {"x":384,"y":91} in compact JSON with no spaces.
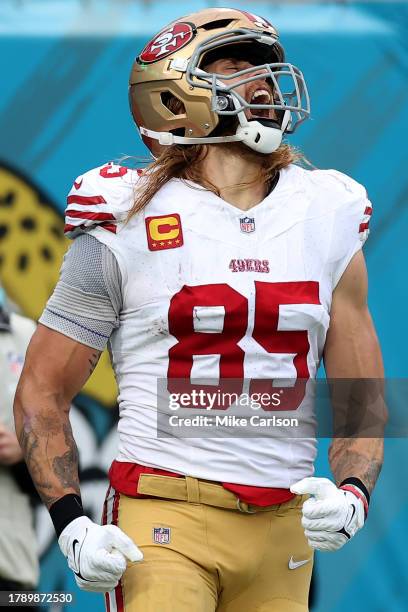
{"x":97,"y":554}
{"x":332,"y":516}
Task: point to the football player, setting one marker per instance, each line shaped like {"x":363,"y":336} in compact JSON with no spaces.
{"x":223,"y":259}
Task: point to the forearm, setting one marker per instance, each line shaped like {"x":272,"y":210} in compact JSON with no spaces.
{"x":357,"y":457}
{"x":360,"y":417}
{"x":45,"y":435}
{"x":355,"y":371}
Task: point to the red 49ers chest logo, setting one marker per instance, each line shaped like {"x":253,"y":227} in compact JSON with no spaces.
{"x":167,"y":41}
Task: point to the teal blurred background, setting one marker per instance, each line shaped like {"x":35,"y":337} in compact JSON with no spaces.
{"x":63,"y":109}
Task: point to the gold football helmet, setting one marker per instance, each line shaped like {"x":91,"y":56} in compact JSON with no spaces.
{"x":174,"y":100}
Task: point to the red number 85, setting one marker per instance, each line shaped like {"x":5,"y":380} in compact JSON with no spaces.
{"x":268,"y":298}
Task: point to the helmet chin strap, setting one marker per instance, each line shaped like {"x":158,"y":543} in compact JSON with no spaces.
{"x":167,"y":138}
{"x":261,"y":135}
{"x":262,"y":138}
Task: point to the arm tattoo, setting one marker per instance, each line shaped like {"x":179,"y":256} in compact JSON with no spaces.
{"x":360,"y":416}
{"x":361,"y":458}
{"x":29,"y":445}
{"x":66,"y":466}
{"x":51,"y":455}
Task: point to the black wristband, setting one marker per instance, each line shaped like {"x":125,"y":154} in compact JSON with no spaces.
{"x":65,"y":510}
{"x":357,"y":482}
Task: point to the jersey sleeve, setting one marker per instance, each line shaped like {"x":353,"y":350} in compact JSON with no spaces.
{"x":87,"y":299}
{"x":351,"y":210}
{"x":101,"y":197}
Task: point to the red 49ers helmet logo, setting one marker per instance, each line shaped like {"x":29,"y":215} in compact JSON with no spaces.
{"x":167,"y":41}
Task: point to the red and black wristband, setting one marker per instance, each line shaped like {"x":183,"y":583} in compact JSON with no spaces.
{"x":64,"y":511}
{"x":358,"y":488}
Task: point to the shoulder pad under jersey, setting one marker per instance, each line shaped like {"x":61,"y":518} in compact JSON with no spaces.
{"x":348,"y":199}
{"x":101,"y":197}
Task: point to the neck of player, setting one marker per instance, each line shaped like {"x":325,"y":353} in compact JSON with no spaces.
{"x":237,"y":177}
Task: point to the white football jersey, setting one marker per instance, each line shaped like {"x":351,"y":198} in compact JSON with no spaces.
{"x":212,"y":292}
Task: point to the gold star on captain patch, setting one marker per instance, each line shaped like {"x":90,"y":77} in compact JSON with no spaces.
{"x":162,"y":244}
{"x":169,"y":242}
{"x":177,"y":241}
{"x":154,"y":244}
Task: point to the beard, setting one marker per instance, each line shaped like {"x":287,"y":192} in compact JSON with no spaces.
{"x":228,"y":127}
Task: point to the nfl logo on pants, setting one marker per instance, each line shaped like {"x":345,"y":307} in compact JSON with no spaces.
{"x":161,"y":535}
{"x":247,"y":225}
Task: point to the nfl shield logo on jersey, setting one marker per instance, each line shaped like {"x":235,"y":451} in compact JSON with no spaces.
{"x":247,"y":225}
{"x":161,"y":535}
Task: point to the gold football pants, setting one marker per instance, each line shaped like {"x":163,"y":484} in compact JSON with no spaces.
{"x":204,"y":551}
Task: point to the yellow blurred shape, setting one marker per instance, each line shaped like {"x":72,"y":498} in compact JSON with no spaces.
{"x":32,"y":245}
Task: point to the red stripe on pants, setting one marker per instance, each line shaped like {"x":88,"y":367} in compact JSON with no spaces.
{"x":118,"y":589}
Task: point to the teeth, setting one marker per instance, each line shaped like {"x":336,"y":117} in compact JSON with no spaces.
{"x":263,"y":93}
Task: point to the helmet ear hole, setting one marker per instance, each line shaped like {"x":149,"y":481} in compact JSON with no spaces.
{"x":172,"y":103}
{"x":178,"y":132}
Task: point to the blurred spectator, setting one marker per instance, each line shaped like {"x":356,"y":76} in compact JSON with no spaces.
{"x":19,"y":568}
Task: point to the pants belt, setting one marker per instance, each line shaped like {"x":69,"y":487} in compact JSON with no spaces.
{"x":197,"y":491}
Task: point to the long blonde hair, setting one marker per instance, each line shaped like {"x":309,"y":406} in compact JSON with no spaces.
{"x":184,"y":162}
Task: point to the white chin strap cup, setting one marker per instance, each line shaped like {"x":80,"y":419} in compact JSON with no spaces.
{"x":259,"y":137}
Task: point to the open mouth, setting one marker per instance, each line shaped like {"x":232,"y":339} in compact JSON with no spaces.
{"x":261,"y":96}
